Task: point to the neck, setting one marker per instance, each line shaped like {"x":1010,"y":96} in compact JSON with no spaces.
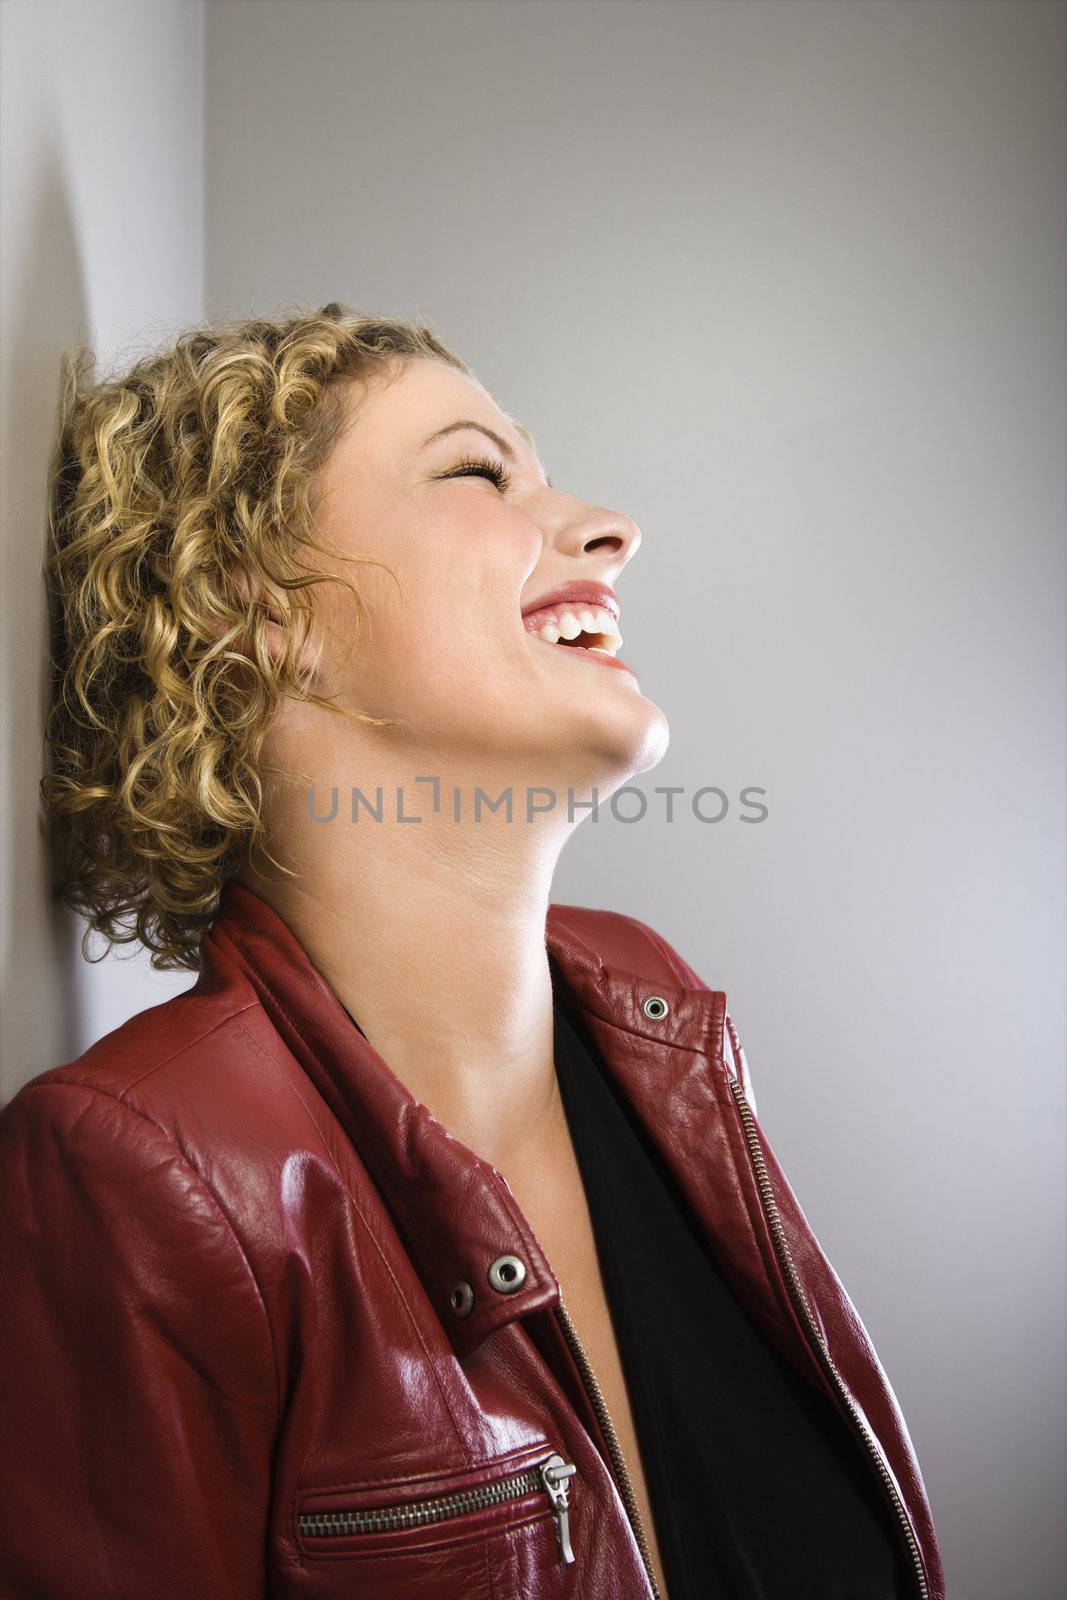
{"x":432,"y":935}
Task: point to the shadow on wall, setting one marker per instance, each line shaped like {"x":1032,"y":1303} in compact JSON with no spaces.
{"x":45,"y":310}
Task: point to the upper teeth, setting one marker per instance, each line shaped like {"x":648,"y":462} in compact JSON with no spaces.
{"x":569,"y":624}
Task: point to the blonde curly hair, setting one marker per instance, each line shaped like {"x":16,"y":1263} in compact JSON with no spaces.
{"x":179,"y":493}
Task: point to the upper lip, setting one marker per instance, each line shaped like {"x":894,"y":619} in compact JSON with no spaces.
{"x":579,"y":591}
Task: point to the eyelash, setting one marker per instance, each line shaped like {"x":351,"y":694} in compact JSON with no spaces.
{"x":485,"y":466}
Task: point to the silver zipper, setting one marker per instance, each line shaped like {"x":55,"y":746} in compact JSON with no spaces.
{"x":551,"y":1475}
{"x":774,"y":1220}
{"x":599,"y":1404}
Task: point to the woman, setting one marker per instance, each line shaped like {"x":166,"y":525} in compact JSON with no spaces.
{"x":428,"y":1245}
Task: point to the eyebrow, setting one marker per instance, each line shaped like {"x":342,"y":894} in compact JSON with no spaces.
{"x":500,"y":442}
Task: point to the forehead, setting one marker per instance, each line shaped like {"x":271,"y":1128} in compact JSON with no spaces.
{"x":398,"y":412}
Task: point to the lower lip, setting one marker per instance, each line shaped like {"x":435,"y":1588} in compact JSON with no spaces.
{"x":595,"y":655}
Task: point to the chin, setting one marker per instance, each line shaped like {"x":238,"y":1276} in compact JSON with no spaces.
{"x":622,"y":746}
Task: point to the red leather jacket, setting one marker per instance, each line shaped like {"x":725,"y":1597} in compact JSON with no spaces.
{"x":268,"y":1328}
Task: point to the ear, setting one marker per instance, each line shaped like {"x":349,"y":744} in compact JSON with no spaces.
{"x":258,"y":597}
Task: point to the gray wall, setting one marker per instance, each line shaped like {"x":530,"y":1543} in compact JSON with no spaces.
{"x":101,"y":241}
{"x":784,"y":282}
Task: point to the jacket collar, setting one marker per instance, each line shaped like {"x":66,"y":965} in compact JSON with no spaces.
{"x":455,"y":1212}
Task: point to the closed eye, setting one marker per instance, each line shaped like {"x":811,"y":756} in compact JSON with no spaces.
{"x":485,"y":468}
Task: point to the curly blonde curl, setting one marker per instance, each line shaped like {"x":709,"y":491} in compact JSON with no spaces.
{"x":180,"y":492}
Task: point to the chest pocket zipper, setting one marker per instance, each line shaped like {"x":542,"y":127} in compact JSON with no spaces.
{"x":550,"y":1476}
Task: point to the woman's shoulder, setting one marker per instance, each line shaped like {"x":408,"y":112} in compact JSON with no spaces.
{"x":626,"y":944}
{"x":623,"y":940}
{"x":205,"y":1072}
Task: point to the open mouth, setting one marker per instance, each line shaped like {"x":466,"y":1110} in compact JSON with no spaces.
{"x":576,"y":627}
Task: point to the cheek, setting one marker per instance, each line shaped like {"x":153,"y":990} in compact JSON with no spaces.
{"x":427,"y":654}
{"x":465,"y":598}
{"x":453,"y":611}
{"x":486,"y":546}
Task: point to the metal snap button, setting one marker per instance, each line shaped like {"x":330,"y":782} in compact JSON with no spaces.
{"x":462,"y":1299}
{"x":655,"y":1008}
{"x":507,"y":1273}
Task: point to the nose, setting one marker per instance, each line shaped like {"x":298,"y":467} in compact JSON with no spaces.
{"x":597,"y":531}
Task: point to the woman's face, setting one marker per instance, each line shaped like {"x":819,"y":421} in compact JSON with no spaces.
{"x":449,"y":652}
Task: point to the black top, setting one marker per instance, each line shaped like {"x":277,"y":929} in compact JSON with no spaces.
{"x":759,"y":1488}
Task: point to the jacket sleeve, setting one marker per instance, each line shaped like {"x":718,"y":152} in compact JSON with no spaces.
{"x":138,"y":1387}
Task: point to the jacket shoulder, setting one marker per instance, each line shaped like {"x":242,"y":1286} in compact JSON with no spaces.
{"x":199,"y":1067}
{"x":624,"y":941}
{"x":630,"y":945}
{"x":148,"y":1041}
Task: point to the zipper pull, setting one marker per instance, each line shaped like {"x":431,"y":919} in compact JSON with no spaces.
{"x":554,"y":1474}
